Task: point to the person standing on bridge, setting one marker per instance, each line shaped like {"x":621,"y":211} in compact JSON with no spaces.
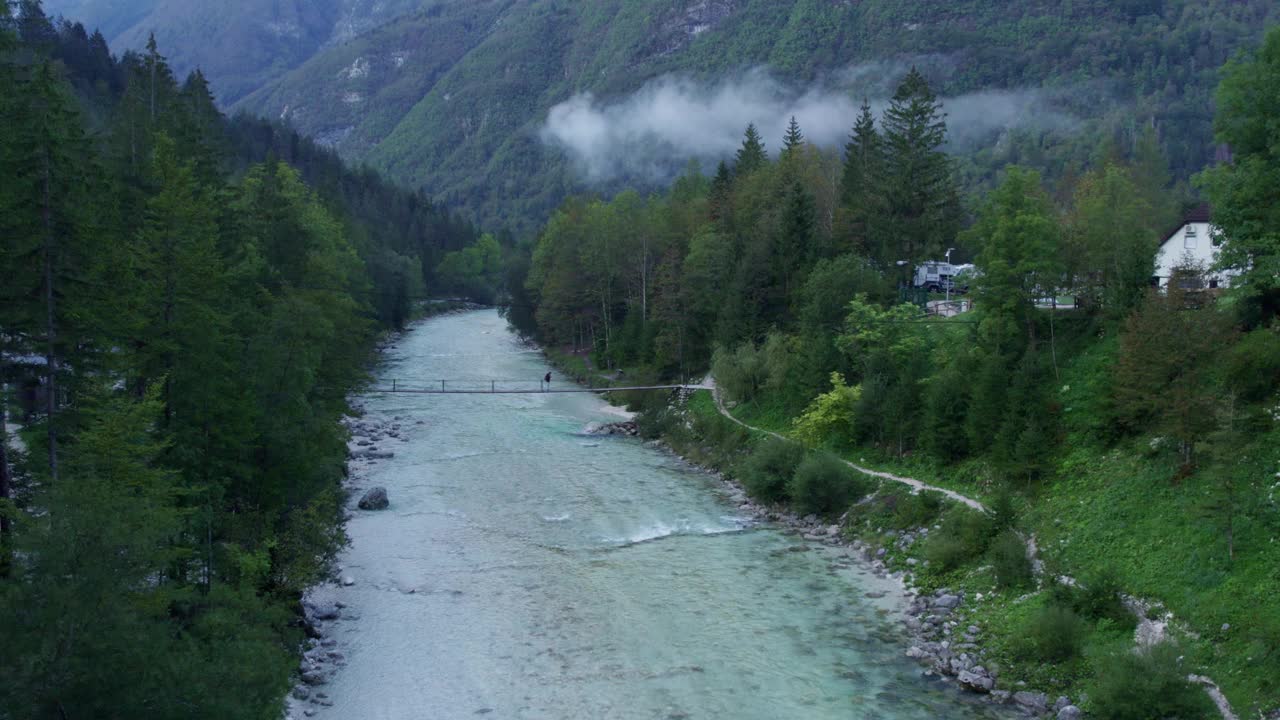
{"x":547,"y":380}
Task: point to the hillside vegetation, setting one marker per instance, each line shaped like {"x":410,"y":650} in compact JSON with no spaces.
{"x":1133,"y":433}
{"x":182,"y":316}
{"x":452,"y":99}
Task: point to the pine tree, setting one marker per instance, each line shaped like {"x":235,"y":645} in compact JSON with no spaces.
{"x":792,"y":141}
{"x":919,"y":181}
{"x":44,"y":221}
{"x":751,"y":156}
{"x":861,"y":188}
{"x":720,"y":205}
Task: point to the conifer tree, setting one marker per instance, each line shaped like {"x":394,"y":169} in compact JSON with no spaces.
{"x":792,"y":141}
{"x":751,"y":156}
{"x":861,"y":187}
{"x":919,"y":182}
{"x":44,"y":221}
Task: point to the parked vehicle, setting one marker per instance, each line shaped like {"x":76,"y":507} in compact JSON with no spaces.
{"x":937,"y":276}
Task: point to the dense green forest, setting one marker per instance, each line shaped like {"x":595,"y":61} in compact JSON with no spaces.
{"x":1133,"y":431}
{"x":452,"y":98}
{"x":186,"y":302}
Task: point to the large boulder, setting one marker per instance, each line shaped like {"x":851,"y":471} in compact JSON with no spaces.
{"x":1070,"y":712}
{"x":976,"y":681}
{"x":375,"y":499}
{"x":1034,"y":703}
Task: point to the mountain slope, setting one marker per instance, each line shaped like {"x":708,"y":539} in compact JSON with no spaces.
{"x":239,"y":44}
{"x":453,"y":99}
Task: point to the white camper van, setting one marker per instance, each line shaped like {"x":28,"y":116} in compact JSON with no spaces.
{"x":936,"y":276}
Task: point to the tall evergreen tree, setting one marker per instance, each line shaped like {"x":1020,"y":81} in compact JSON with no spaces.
{"x":751,"y":156}
{"x":792,"y":141}
{"x":923,"y":209}
{"x":861,"y":188}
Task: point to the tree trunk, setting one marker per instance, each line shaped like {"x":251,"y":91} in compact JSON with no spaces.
{"x":6,"y":492}
{"x":50,"y":328}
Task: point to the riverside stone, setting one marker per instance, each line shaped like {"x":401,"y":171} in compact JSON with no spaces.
{"x":1037,"y":703}
{"x":1070,"y":712}
{"x":375,"y":499}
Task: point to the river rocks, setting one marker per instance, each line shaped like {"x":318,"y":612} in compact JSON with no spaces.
{"x":1035,"y":703}
{"x":314,"y":677}
{"x":626,"y":428}
{"x":976,"y":681}
{"x":947,"y":601}
{"x":325,"y":611}
{"x":374,"y":499}
{"x":1070,"y":712}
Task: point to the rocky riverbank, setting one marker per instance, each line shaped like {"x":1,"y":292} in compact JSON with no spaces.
{"x":938,"y":631}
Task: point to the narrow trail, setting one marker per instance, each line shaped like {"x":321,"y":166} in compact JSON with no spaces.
{"x":1210,"y":687}
{"x":916,"y":485}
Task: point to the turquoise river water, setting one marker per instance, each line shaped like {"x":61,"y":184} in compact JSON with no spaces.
{"x":528,"y":570}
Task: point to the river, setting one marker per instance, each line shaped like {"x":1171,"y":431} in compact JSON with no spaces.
{"x":526,"y":570}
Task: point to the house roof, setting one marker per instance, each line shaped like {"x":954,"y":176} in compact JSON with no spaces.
{"x":1201,"y":213}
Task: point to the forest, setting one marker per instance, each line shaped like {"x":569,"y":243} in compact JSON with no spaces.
{"x":1133,"y":426}
{"x":187,"y":301}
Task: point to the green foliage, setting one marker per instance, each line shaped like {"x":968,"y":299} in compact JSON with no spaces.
{"x":962,"y":539}
{"x":828,"y":417}
{"x":1008,"y":554}
{"x":1252,"y":365}
{"x":1250,"y":225}
{"x":1096,"y":597}
{"x":1053,"y":635}
{"x":767,"y":472}
{"x":1146,"y":684}
{"x":824,"y":485}
{"x":742,"y":373}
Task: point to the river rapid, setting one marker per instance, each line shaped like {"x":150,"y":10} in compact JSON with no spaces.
{"x":527,"y":570}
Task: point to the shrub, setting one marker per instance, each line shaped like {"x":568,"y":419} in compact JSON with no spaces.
{"x":767,"y":471}
{"x":741,"y":373}
{"x":1053,"y":635}
{"x":1003,"y":513}
{"x":913,"y":510}
{"x":828,"y":416}
{"x":1146,"y":684}
{"x":1008,"y":555}
{"x":1098,"y":598}
{"x":946,"y":552}
{"x":964,"y":536}
{"x":823,"y":485}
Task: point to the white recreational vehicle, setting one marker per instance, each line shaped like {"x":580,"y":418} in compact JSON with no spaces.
{"x":937,"y":276}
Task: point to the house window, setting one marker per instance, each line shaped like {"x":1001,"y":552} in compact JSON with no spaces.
{"x":1189,"y":238}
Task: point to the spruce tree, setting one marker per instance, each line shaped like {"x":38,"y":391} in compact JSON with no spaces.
{"x":923,"y":208}
{"x":861,"y":188}
{"x":793,"y":140}
{"x":751,"y":156}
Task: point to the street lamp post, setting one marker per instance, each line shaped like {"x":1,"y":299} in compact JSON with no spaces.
{"x":950,"y":278}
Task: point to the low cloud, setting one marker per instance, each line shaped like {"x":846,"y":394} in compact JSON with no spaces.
{"x":653,"y":133}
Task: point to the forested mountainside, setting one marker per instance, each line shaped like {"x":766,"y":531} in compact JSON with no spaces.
{"x":451,"y":96}
{"x":453,"y":99}
{"x":238,"y":44}
{"x":186,"y":302}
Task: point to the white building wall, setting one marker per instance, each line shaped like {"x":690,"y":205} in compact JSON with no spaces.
{"x":1194,"y":241}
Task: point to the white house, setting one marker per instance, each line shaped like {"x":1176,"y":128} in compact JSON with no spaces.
{"x":1197,"y":241}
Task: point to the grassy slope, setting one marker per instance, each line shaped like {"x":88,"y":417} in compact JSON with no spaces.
{"x":1118,"y":507}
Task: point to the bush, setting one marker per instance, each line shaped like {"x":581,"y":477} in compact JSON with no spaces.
{"x":767,"y":472}
{"x":1146,"y":684}
{"x":823,"y":485}
{"x":1003,"y":514}
{"x":964,"y":536}
{"x":1054,"y":635}
{"x":1009,"y":558}
{"x":742,"y":374}
{"x":913,"y":510}
{"x":1098,"y":598}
